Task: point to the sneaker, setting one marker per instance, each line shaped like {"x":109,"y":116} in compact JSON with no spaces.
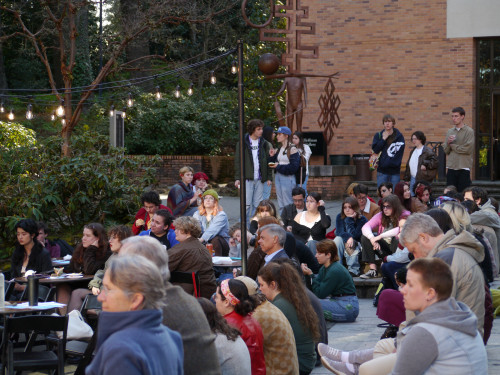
{"x":339,"y":368}
{"x":329,"y":352}
{"x":369,"y":275}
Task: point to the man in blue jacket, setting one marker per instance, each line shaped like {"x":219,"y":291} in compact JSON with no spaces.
{"x":391,"y":144}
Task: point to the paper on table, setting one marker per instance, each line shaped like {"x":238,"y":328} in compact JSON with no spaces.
{"x":67,"y":257}
{"x":219,"y":260}
{"x":40,"y":306}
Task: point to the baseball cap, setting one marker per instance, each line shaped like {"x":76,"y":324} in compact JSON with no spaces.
{"x":284,"y":129}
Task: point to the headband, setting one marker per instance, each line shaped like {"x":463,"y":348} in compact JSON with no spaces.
{"x":224,"y":287}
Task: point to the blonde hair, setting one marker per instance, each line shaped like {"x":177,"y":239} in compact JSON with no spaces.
{"x":189,"y":225}
{"x":203,"y":210}
{"x":185,"y":169}
{"x":459,"y":216}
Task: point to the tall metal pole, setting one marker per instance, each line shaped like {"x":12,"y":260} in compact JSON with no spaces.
{"x":243,"y":192}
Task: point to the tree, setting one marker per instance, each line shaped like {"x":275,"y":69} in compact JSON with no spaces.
{"x":59,"y":24}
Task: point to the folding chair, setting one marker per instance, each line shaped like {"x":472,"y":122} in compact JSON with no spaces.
{"x":178,"y":277}
{"x":29,"y":360}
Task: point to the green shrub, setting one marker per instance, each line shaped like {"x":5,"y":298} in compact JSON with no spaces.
{"x":14,"y":135}
{"x":96,"y":183}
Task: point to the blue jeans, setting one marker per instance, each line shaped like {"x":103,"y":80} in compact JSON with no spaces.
{"x":284,"y":186}
{"x":254,"y":190}
{"x":412,"y":185}
{"x":352,"y":260}
{"x":266,"y":191}
{"x":381,"y":177}
{"x":340,"y":309}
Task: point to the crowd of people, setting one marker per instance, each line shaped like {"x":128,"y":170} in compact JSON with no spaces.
{"x":436,"y":256}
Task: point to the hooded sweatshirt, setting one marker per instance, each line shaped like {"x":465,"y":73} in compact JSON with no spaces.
{"x":462,"y":253}
{"x":488,"y":217}
{"x":443,"y":339}
{"x":391,"y":149}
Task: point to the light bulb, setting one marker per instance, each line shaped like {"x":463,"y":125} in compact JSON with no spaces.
{"x":29,"y":112}
{"x":190,"y":89}
{"x":213,"y":80}
{"x":60,"y":109}
{"x":10,"y":116}
{"x":130,"y":100}
{"x":177,"y":92}
{"x":2,"y":108}
{"x":158,"y":93}
{"x":112,"y":110}
{"x":53,"y":116}
{"x":124,"y":114}
{"x":234,"y":68}
{"x":63,"y":121}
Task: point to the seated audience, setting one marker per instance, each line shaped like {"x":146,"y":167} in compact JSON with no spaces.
{"x":282,"y":285}
{"x":90,"y":256}
{"x":214,"y":223}
{"x":265,"y":208}
{"x":235,"y":241}
{"x":383,"y":190}
{"x":200,"y":184}
{"x":232,"y":352}
{"x":367,"y":206}
{"x":333,"y":285}
{"x":386,"y":226}
{"x":412,"y":204}
{"x":280,"y":352}
{"x":290,"y":211}
{"x":161,"y":229}
{"x":131,"y":337}
{"x":181,"y":198}
{"x":115,"y":235}
{"x":235,"y":305}
{"x":348,"y":234}
{"x":422,"y":163}
{"x":184,"y":316}
{"x":423,"y":346}
{"x":151,"y":203}
{"x":189,"y":255}
{"x":29,"y":254}
{"x":311,"y":225}
{"x":272,"y":241}
{"x":53,"y":248}
{"x":423,"y":193}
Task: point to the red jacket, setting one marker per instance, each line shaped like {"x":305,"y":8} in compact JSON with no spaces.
{"x":143,"y":214}
{"x":251,"y":333}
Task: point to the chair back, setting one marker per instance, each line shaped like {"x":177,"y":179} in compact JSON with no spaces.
{"x":90,"y":303}
{"x":193,"y":278}
{"x":9,"y":289}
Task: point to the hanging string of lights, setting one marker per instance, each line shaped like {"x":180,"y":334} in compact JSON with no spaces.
{"x":44,"y":97}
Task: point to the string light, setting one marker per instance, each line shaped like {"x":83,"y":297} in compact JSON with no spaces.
{"x":190,"y":89}
{"x":112,"y":111}
{"x":10,"y":116}
{"x":63,"y":121}
{"x":124,"y":115}
{"x":213,"y":80}
{"x":29,"y":112}
{"x":60,"y":109}
{"x":2,"y":108}
{"x":177,"y":92}
{"x":234,"y":67}
{"x":130,"y":100}
{"x":158,"y":93}
{"x":53,"y":116}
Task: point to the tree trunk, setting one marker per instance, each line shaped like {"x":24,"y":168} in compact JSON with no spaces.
{"x":3,"y":76}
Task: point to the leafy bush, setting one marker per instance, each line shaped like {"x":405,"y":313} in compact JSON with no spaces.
{"x":14,"y":135}
{"x":94,"y":184}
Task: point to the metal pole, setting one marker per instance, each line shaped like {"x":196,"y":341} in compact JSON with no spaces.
{"x":243,"y":193}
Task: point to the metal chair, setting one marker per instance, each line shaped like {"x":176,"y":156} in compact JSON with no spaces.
{"x":29,"y":360}
{"x":178,"y":277}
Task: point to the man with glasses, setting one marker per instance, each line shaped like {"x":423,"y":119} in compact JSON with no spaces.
{"x":368,"y":209}
{"x":291,"y":210}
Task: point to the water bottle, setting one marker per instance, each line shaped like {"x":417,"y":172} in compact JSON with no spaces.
{"x":33,"y":290}
{"x":2,"y":291}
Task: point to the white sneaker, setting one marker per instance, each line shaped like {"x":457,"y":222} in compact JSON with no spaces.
{"x":329,"y":352}
{"x":339,"y":368}
{"x":369,"y":275}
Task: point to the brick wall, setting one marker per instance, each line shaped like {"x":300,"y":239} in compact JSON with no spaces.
{"x":393,"y":57}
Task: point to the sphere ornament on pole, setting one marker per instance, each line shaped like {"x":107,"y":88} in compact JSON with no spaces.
{"x":269,"y":63}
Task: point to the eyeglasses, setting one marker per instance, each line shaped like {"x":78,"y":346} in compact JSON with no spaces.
{"x":386,"y":207}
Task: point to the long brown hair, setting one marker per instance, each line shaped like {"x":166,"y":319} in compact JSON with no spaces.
{"x":354,"y":205}
{"x":397,"y":210}
{"x":102,"y":242}
{"x":292,"y":288}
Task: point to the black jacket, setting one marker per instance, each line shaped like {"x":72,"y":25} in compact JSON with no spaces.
{"x":39,"y":260}
{"x":318,"y":231}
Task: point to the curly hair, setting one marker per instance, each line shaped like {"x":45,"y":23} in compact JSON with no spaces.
{"x":216,"y":321}
{"x":247,"y":303}
{"x":292,"y":288}
{"x":120,"y":232}
{"x":188,"y":225}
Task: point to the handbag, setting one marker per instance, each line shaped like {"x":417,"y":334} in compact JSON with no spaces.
{"x":77,"y":327}
{"x":373,"y":161}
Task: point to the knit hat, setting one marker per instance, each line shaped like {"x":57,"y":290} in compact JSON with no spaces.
{"x":211,"y":192}
{"x":249,"y":283}
{"x":199,"y":176}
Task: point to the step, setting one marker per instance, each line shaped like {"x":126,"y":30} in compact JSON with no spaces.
{"x":366,"y":288}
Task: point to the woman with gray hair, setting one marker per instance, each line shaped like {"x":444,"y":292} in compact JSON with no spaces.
{"x":131,"y":337}
{"x":189,"y":255}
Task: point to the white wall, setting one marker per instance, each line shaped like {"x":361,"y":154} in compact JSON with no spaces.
{"x":473,"y":18}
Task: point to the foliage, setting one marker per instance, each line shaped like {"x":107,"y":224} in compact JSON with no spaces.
{"x":14,"y":135}
{"x":95,"y":183}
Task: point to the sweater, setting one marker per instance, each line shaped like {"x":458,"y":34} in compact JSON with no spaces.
{"x":251,"y":333}
{"x":91,"y":261}
{"x":135,"y":342}
{"x":349,"y":227}
{"x":303,"y":339}
{"x":182,"y":313}
{"x":459,"y":152}
{"x":318,"y":230}
{"x":179,"y":197}
{"x":441,"y":340}
{"x":143,"y":214}
{"x":333,"y":281}
{"x":391,"y":149}
{"x":265,"y":172}
{"x":375,"y":224}
{"x":280,"y":351}
{"x":38,"y":261}
{"x":218,"y":226}
{"x":233,"y":356}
